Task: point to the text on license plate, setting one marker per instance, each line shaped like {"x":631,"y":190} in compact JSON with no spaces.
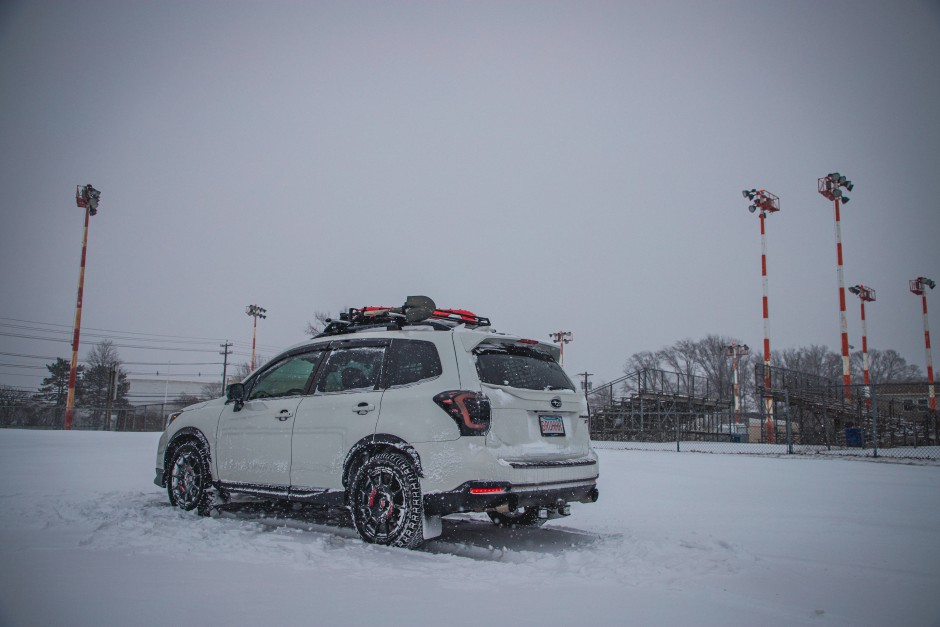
{"x":551,"y":425}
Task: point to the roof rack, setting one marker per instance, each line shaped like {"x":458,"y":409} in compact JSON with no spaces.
{"x":417,"y":310}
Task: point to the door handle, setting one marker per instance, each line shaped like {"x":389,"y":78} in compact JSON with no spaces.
{"x":284,"y":415}
{"x":363,"y":408}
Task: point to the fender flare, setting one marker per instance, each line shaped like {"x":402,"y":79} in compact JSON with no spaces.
{"x":187,"y":433}
{"x":378,"y":442}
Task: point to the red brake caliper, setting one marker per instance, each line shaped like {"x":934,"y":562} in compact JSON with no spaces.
{"x":372,"y":497}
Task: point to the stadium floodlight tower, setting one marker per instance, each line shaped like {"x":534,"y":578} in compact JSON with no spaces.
{"x":86,"y":197}
{"x":764,"y":202}
{"x":562,"y":338}
{"x":255,"y":312}
{"x":865,"y":295}
{"x":735,"y":350}
{"x":919,"y":287}
{"x":831,"y":187}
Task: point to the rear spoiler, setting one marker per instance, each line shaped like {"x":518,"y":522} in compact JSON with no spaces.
{"x":471,"y":341}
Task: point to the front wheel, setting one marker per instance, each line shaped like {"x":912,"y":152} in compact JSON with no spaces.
{"x":529,"y":517}
{"x":189,"y":479}
{"x":385,"y":498}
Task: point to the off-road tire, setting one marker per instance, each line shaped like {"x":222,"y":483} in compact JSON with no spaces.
{"x":386,"y":502}
{"x":189,"y":482}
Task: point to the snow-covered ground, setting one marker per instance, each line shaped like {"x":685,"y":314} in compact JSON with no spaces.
{"x":87,"y":539}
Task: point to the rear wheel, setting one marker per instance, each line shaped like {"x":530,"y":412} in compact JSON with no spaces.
{"x":386,"y":502}
{"x":529,"y":517}
{"x":189,"y":482}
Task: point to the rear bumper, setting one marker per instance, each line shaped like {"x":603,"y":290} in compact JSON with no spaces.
{"x":479,"y":496}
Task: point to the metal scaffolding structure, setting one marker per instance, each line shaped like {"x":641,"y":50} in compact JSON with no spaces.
{"x":819,"y":413}
{"x":652,"y":405}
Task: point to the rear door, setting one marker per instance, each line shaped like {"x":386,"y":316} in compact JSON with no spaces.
{"x":536,"y":412}
{"x":342,"y":409}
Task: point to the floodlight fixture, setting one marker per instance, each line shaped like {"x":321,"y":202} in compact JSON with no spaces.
{"x":562,"y":338}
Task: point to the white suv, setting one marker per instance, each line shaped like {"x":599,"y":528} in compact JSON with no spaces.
{"x":400,"y":415}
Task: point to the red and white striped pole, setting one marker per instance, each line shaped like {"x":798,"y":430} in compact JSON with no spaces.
{"x":830,"y":187}
{"x":865,"y":294}
{"x":843,"y":324}
{"x":87,"y":198}
{"x":765,"y":202}
{"x":768,"y":398}
{"x":919,"y":286}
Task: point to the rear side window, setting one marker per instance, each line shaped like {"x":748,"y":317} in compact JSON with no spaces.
{"x":349,"y":369}
{"x":520,"y":367}
{"x":411,"y":361}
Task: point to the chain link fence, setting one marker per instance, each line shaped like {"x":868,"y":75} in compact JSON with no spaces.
{"x":31,"y":415}
{"x":892,"y":420}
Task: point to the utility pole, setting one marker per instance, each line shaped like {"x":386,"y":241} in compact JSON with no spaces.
{"x":586,"y":384}
{"x":86,"y":198}
{"x":112,"y":396}
{"x":561,"y":337}
{"x":225,"y":352}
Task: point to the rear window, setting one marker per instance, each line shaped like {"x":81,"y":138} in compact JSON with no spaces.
{"x":520,"y":367}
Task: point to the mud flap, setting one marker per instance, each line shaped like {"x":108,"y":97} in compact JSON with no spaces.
{"x":432,"y":527}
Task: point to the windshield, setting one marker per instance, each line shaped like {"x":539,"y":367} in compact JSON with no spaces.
{"x":520,"y":367}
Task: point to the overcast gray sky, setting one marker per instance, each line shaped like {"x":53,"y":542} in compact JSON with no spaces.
{"x":551,"y":165}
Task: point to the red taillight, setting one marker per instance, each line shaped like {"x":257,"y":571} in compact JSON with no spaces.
{"x":528,"y":341}
{"x":470,"y":410}
{"x":487,"y":490}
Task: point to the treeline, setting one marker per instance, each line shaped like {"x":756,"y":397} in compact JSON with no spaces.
{"x":708,"y":358}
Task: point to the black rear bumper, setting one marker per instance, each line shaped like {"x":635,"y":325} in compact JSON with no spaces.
{"x":479,"y":496}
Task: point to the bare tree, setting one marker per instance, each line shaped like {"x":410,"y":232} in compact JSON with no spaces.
{"x":320,"y":320}
{"x":887,"y":367}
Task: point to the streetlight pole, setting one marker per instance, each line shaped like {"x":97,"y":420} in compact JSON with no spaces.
{"x":865,"y":294}
{"x":255,"y":312}
{"x":561,"y":337}
{"x":86,"y":198}
{"x":831,"y":186}
{"x":765,"y":202}
{"x":919,"y":287}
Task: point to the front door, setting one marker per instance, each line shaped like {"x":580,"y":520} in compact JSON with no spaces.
{"x":254,"y":442}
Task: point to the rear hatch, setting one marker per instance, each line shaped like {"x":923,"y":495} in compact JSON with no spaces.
{"x":536,"y":413}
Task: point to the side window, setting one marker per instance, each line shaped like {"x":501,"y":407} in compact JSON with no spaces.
{"x":411,"y":361}
{"x":356,"y":368}
{"x":287,"y":378}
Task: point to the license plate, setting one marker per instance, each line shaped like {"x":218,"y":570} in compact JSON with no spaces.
{"x":552,"y":426}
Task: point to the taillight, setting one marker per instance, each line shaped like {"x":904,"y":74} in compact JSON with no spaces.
{"x":470,"y":410}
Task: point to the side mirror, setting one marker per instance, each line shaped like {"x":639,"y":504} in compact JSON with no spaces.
{"x":236,"y":394}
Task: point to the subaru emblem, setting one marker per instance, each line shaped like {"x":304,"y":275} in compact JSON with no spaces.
{"x":556,"y":403}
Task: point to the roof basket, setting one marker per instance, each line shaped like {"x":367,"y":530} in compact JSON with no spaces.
{"x":417,"y":310}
